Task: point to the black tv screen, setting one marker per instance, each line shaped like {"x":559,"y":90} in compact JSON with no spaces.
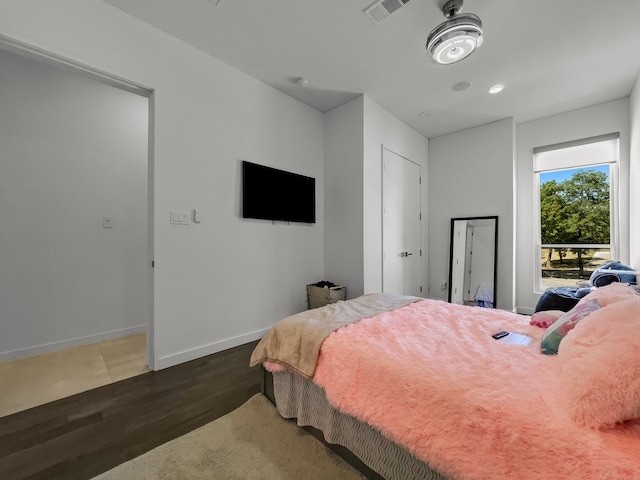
{"x":272,"y":194}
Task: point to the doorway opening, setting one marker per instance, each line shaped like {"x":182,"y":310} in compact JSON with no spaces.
{"x":76,"y":187}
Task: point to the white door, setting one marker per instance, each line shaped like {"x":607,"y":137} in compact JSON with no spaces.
{"x":401,"y":220}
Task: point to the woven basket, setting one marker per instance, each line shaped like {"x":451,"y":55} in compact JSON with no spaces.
{"x":319,"y":297}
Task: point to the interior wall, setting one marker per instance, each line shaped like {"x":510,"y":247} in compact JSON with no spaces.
{"x":343,"y":244}
{"x":72,"y":150}
{"x":583,"y":123}
{"x":381,"y":129}
{"x":471,"y":175}
{"x":226,"y":280}
{"x":634,"y":177}
{"x":355,"y":135}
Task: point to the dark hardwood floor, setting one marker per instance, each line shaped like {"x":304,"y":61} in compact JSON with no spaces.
{"x":84,"y":435}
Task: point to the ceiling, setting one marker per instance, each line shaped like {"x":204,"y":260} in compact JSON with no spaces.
{"x":552,"y":55}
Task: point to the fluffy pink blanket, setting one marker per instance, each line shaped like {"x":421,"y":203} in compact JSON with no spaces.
{"x":432,"y":379}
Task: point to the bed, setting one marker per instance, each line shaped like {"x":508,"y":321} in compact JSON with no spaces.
{"x":418,"y":388}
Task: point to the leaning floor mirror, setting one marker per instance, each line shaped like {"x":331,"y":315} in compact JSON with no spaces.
{"x":473,"y":261}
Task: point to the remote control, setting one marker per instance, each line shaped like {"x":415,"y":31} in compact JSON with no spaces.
{"x":500,"y":335}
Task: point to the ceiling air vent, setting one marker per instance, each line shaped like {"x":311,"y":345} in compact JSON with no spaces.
{"x":382,"y":9}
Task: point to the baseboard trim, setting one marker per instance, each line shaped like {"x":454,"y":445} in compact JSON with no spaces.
{"x":173,"y":359}
{"x":70,"y":343}
{"x":525,"y":310}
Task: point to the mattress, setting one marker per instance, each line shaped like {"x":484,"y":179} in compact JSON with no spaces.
{"x":428,"y":379}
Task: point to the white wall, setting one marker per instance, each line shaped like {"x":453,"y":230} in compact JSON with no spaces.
{"x":587,"y":122}
{"x":471,"y":175}
{"x":227,"y":280}
{"x":355,"y":135}
{"x":383,"y":129}
{"x":634,"y":177}
{"x":71,"y":150}
{"x":343,"y":239}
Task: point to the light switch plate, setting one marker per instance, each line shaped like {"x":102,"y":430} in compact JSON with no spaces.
{"x":179,"y":218}
{"x":107,"y":221}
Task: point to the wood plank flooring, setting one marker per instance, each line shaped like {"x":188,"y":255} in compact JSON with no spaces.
{"x":84,"y":435}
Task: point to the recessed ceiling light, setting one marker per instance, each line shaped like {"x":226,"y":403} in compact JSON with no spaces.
{"x":496,"y":89}
{"x":460,"y":86}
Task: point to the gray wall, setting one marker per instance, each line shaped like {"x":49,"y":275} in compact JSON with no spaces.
{"x":71,"y":151}
{"x":381,"y":129}
{"x":355,"y":134}
{"x":471,"y":175}
{"x":343,"y":237}
{"x":634,"y":176}
{"x":225,"y":281}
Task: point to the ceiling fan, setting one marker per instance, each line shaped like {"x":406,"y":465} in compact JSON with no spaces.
{"x":457,"y":37}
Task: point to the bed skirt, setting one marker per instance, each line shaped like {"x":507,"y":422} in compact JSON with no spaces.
{"x":300,"y":398}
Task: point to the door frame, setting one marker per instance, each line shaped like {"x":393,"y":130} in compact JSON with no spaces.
{"x":420,"y":230}
{"x":44,"y":56}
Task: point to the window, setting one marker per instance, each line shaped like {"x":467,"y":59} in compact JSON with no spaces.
{"x":576,"y":209}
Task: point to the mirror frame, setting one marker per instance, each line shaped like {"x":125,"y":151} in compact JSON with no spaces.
{"x":495,"y":254}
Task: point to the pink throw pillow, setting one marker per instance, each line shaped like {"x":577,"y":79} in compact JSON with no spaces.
{"x":545,"y":318}
{"x":601,"y":366}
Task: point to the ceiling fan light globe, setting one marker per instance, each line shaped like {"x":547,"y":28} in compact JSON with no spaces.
{"x":454,"y":50}
{"x":455,"y":39}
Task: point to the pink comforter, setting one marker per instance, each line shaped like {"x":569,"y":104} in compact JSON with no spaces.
{"x":432,"y":379}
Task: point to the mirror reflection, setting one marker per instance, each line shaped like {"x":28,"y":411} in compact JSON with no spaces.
{"x":473,"y":261}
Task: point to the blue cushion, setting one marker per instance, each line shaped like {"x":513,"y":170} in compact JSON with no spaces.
{"x":561,"y":298}
{"x":610,"y":272}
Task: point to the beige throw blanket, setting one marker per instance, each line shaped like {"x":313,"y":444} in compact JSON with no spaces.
{"x":295,"y":341}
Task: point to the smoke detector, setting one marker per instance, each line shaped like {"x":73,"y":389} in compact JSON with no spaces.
{"x":456,"y":38}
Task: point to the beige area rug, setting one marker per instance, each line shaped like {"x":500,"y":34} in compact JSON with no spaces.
{"x":252,"y":442}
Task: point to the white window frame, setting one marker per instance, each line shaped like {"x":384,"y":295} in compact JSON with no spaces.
{"x":553,"y":157}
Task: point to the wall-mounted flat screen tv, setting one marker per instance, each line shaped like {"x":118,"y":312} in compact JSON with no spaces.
{"x":272,"y":194}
